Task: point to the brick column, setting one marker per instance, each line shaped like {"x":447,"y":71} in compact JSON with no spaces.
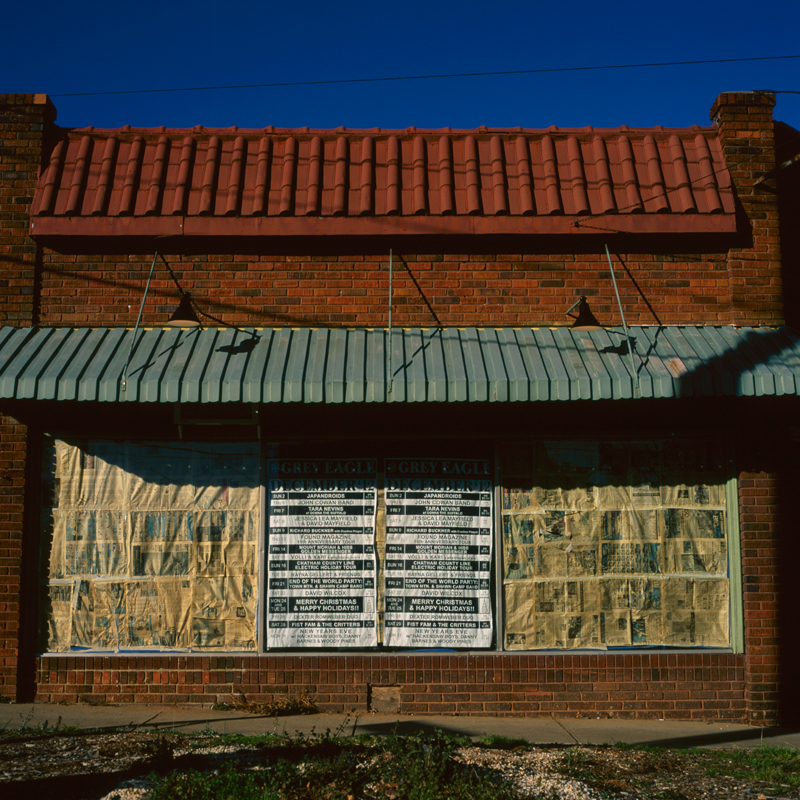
{"x":758,"y":522}
{"x":747,"y":136}
{"x":13,"y":446}
{"x":26,"y":120}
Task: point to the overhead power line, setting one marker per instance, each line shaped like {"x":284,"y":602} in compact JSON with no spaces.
{"x":428,"y":77}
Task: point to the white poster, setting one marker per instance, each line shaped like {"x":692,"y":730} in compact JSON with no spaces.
{"x":438,"y":553}
{"x":321,"y":556}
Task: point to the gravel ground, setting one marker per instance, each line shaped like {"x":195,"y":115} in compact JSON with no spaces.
{"x":115,"y":766}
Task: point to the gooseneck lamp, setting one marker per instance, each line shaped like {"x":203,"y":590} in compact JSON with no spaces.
{"x":585,"y":320}
{"x":184,"y":315}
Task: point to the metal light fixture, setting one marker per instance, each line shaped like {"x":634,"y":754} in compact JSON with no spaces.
{"x":585,"y":320}
{"x":184,"y":315}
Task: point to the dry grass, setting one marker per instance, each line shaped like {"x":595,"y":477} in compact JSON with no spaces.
{"x":289,"y":705}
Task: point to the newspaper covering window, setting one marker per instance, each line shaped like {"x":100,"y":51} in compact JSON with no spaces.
{"x":438,"y":553}
{"x":614,"y":543}
{"x":149,"y":546}
{"x":321,"y":553}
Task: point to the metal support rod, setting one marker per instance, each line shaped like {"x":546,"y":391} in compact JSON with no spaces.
{"x":391,"y":375}
{"x":173,"y":276}
{"x":631,"y":342}
{"x":138,"y":320}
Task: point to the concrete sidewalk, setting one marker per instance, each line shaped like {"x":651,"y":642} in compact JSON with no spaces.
{"x":542,"y":731}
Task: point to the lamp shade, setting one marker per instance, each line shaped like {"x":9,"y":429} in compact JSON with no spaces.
{"x":585,"y":321}
{"x":184,"y":316}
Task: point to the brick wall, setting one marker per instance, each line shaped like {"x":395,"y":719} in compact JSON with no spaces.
{"x":464,"y":282}
{"x":13,"y":440}
{"x":631,"y":686}
{"x":747,"y":133}
{"x":787,"y":186}
{"x":734,"y":283}
{"x":759,"y":538}
{"x":25,"y":121}
{"x":462,"y":289}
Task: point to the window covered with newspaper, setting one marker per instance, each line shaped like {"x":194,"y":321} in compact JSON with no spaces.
{"x":149,"y":546}
{"x":614,"y":543}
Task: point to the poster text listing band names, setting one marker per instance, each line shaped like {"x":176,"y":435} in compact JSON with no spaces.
{"x":438,"y":553}
{"x":321,"y":553}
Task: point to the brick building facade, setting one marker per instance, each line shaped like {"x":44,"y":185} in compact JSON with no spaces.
{"x":493,"y":235}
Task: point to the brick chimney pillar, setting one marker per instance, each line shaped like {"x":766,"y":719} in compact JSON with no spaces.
{"x":25,"y":122}
{"x":747,"y":137}
{"x":754,"y":268}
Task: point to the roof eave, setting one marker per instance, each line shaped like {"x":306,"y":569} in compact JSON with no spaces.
{"x":202,"y":226}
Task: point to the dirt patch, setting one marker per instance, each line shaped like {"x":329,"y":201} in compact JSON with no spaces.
{"x":89,"y":765}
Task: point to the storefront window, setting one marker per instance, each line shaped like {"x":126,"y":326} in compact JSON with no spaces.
{"x":614,"y":544}
{"x":156,"y":546}
{"x":150,"y":546}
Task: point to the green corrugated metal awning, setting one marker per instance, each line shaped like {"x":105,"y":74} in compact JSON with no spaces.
{"x":305,"y":365}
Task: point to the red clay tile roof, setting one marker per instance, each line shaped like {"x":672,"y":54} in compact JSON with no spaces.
{"x":301,"y":182}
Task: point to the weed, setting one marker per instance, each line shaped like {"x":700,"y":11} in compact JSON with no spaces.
{"x":779,"y":766}
{"x":260,"y":741}
{"x":421,"y":767}
{"x":25,"y":728}
{"x":26,"y":719}
{"x":418,"y":767}
{"x":575,"y":764}
{"x":587,"y":768}
{"x":498,"y":742}
{"x":161,"y":752}
{"x":626,"y":746}
{"x":193,"y":785}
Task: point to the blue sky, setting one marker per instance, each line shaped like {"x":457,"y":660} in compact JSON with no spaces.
{"x":62,"y":48}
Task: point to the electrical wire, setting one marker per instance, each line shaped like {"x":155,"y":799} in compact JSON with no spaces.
{"x":430,"y":77}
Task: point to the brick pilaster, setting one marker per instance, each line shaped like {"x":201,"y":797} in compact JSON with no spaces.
{"x":25,"y":123}
{"x":13,"y":448}
{"x":758,"y":521}
{"x":25,"y":120}
{"x":747,"y":136}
